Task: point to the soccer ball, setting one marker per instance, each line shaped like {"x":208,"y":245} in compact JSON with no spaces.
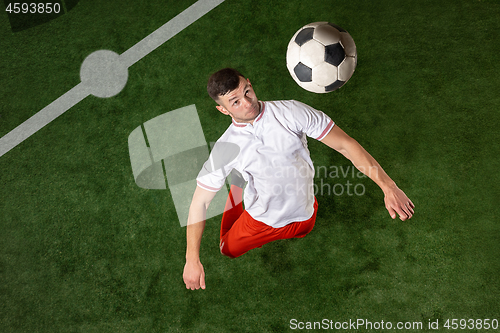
{"x":321,"y":57}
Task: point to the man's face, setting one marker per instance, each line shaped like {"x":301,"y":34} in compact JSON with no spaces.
{"x":241,"y":104}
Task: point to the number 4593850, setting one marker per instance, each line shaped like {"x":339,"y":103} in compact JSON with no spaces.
{"x":477,"y":324}
{"x":33,"y":8}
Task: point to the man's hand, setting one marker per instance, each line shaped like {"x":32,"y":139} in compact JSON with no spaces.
{"x":194,"y":275}
{"x":396,"y":201}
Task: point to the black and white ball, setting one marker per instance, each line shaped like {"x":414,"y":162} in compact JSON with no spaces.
{"x":321,"y":57}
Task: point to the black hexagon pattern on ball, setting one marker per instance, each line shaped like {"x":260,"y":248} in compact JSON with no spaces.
{"x":335,"y":85}
{"x":304,"y":36}
{"x":304,"y":73}
{"x":334,"y":54}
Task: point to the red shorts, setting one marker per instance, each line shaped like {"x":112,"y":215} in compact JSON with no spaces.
{"x":240,"y":232}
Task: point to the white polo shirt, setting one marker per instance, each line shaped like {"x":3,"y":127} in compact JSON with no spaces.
{"x":274,"y":159}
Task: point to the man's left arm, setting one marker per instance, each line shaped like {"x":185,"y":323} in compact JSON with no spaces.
{"x":395,"y":199}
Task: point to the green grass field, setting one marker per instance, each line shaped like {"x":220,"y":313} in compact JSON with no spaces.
{"x":84,"y":249}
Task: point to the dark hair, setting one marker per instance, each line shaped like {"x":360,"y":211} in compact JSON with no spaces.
{"x":222,"y":82}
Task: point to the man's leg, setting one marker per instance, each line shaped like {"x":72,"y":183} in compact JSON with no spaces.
{"x":247,"y":233}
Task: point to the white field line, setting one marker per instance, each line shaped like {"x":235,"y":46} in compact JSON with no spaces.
{"x":129,"y":57}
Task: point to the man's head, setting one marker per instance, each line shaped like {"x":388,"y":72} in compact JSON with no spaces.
{"x":234,"y":94}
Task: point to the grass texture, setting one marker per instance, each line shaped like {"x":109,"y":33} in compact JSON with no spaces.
{"x":84,"y":249}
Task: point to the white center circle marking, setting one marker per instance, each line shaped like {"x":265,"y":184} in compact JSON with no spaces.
{"x":103,"y":74}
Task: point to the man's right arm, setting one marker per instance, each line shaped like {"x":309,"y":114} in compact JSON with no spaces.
{"x":194,"y":276}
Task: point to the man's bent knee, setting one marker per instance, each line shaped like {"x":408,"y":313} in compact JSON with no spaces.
{"x":224,"y":251}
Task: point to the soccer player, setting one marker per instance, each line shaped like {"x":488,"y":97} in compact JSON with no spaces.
{"x":274,"y":162}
